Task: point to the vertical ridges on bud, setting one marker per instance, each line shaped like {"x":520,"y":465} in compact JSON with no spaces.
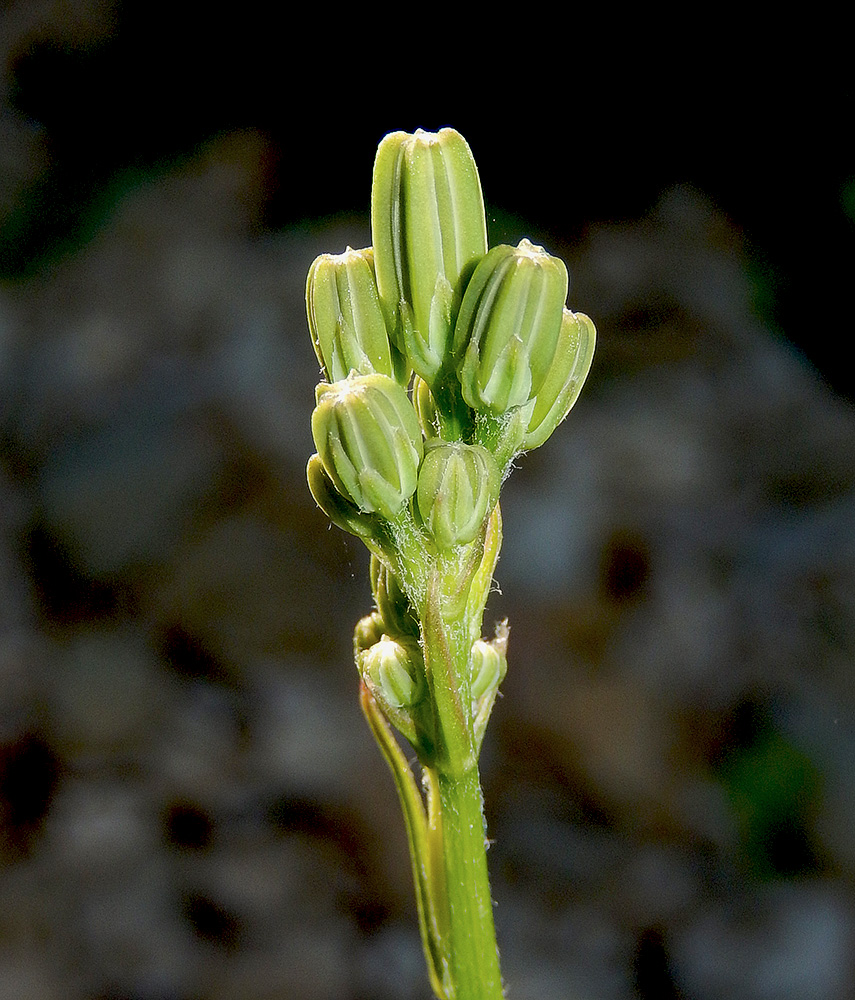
{"x":508,"y":326}
{"x":458,"y":487}
{"x":369,"y":440}
{"x":345,"y":319}
{"x":428,"y":230}
{"x":488,"y":666}
{"x":571,"y":363}
{"x":488,"y":669}
{"x":388,"y":669}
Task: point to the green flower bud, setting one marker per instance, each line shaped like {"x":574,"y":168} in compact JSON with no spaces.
{"x":368,"y":631}
{"x":393,"y":605}
{"x":565,"y":378}
{"x":508,"y":326}
{"x":458,"y":487}
{"x":368,"y":438}
{"x":488,"y":668}
{"x":429,"y":231}
{"x":345,"y":318}
{"x":489,"y":664}
{"x":389,"y":671}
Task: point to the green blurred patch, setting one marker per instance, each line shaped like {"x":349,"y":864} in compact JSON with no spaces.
{"x":847,"y":198}
{"x":775,"y":790}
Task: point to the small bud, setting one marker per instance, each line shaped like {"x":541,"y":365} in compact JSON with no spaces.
{"x":389,"y":670}
{"x":368,"y":631}
{"x":368,"y":438}
{"x":345,"y":318}
{"x":458,"y":487}
{"x":508,"y":326}
{"x":488,"y":668}
{"x":565,"y":378}
{"x":429,"y":230}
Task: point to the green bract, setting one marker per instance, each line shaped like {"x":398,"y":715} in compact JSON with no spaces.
{"x":565,"y":378}
{"x":368,"y":438}
{"x":393,"y":605}
{"x":425,"y":407}
{"x":458,"y":487}
{"x":508,"y":325}
{"x":345,"y":319}
{"x":429,"y":231}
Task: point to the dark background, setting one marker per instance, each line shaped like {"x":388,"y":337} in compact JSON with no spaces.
{"x":566,"y":132}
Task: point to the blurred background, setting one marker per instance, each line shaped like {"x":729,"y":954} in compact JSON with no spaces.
{"x":191,"y":806}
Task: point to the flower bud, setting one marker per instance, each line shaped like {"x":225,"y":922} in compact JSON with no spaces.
{"x":458,"y":487}
{"x":345,"y":318}
{"x":429,"y":230}
{"x":565,"y":378}
{"x":368,"y":438}
{"x":368,"y":631}
{"x":389,"y":671}
{"x":508,"y":326}
{"x":488,"y":665}
{"x":488,"y":668}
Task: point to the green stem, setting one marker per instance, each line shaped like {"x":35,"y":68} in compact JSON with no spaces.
{"x":471,"y":933}
{"x":457,"y":827}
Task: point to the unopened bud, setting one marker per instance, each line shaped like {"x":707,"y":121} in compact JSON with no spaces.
{"x":565,"y":378}
{"x":488,"y":668}
{"x":390,"y":672}
{"x":458,"y":487}
{"x":345,"y":318}
{"x":429,"y":230}
{"x":368,"y":438}
{"x":508,"y":326}
{"x":368,"y":631}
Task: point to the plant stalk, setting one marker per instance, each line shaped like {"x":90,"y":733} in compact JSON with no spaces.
{"x":471,"y":934}
{"x":456,"y":837}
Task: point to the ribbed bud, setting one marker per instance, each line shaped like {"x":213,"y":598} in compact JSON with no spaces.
{"x":345,"y":318}
{"x":508,"y":326}
{"x":429,"y":230}
{"x":488,"y":668}
{"x":565,"y":378}
{"x":368,"y":438}
{"x":458,"y":487}
{"x":489,"y":664}
{"x":388,"y":669}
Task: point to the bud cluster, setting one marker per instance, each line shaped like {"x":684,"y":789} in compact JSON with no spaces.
{"x":441,"y":360}
{"x":486,"y":333}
